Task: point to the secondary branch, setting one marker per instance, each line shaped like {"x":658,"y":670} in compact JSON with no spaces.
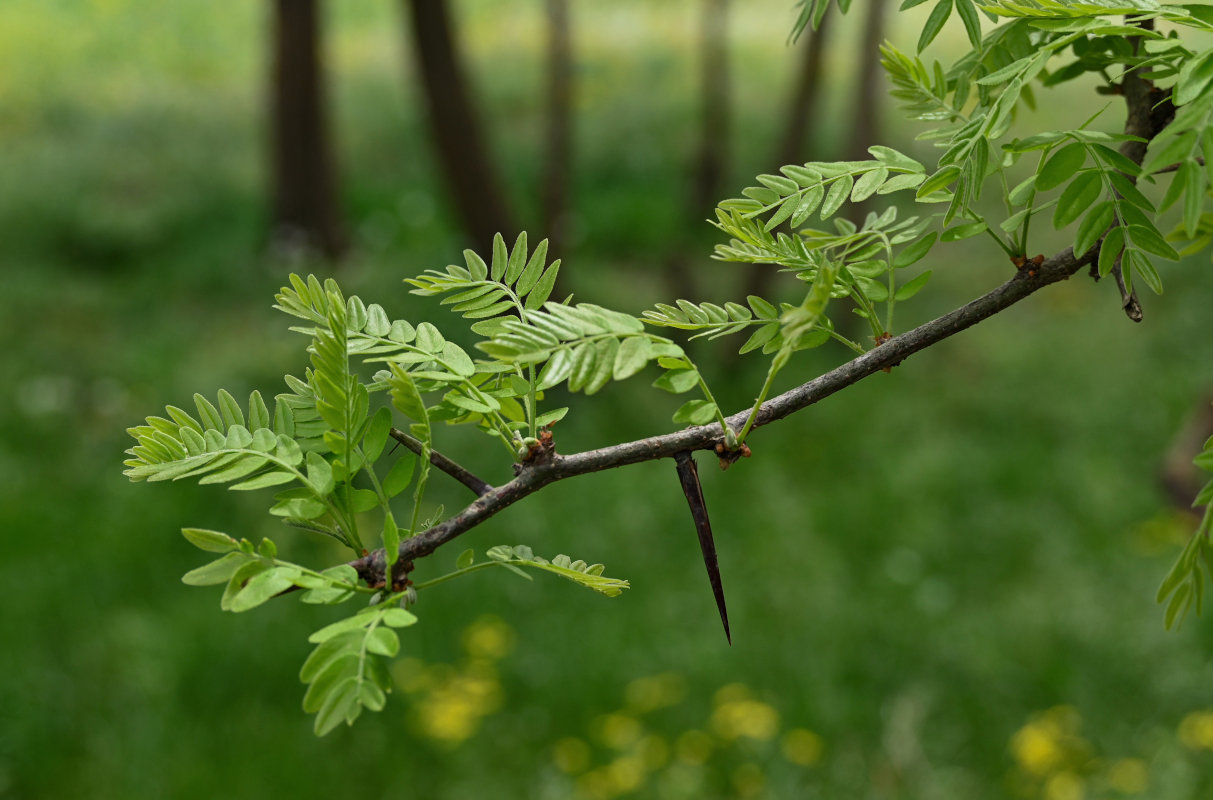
{"x":443,"y":463}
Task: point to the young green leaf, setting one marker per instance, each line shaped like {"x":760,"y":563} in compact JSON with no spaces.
{"x":912,"y":287}
{"x":1079,"y":196}
{"x":1061,"y":166}
{"x":934,"y":24}
{"x":211,"y":541}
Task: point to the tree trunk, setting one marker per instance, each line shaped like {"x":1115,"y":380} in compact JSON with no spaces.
{"x":865,"y":120}
{"x":557,"y":164}
{"x":471,"y":177}
{"x":305,"y":207}
{"x":805,"y":94}
{"x":796,"y":141}
{"x":711,"y":158}
{"x":714,"y":114}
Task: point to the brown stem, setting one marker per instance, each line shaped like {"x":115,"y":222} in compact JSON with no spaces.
{"x":1144,"y":120}
{"x":306,"y":209}
{"x":558,"y":134}
{"x":1175,"y":167}
{"x":443,"y":463}
{"x":471,"y":173}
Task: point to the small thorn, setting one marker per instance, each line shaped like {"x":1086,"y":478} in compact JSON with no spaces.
{"x":688,"y":476}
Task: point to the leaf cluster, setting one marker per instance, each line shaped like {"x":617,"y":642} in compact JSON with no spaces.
{"x":321,"y":448}
{"x":513,"y":282}
{"x":518,"y":557}
{"x":346,"y":672}
{"x":1184,"y":586}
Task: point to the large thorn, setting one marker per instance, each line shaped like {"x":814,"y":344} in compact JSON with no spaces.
{"x":688,"y":475}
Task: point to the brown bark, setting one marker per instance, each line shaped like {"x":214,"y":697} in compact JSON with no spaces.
{"x":865,"y":117}
{"x":711,"y":162}
{"x":709,"y":165}
{"x":793,"y":143}
{"x":557,"y":163}
{"x":305,"y":206}
{"x":803,"y":102}
{"x":471,"y":176}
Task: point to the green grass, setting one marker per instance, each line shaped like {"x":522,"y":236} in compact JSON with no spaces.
{"x":916,"y":569}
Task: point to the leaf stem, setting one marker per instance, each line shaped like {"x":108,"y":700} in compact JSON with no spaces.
{"x":762,"y":396}
{"x":844,"y":340}
{"x":308,"y":526}
{"x":456,"y":574}
{"x":531,"y":404}
{"x":707,"y":393}
{"x":999,"y":241}
{"x":862,"y":301}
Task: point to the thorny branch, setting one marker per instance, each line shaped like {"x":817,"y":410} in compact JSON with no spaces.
{"x":551,"y":467}
{"x":1144,"y":120}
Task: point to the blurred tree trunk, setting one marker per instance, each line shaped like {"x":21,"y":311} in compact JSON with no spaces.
{"x":471,"y":176}
{"x":711,"y":157}
{"x":796,"y":140}
{"x":557,"y":164}
{"x":711,"y":162}
{"x":305,"y":206}
{"x":865,"y":118}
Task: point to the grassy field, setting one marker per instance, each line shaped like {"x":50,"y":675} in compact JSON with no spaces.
{"x":940,"y":583}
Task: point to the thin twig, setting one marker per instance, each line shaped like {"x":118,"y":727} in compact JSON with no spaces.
{"x":443,"y":463}
{"x":1175,"y":167}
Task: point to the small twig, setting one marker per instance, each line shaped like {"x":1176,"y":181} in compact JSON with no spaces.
{"x":1175,"y":167}
{"x":688,"y":476}
{"x":443,"y":463}
{"x":1128,"y":299}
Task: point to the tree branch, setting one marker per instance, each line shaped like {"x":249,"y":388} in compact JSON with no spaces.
{"x":549,"y":467}
{"x":1144,"y":120}
{"x":443,"y":463}
{"x":1146,"y":117}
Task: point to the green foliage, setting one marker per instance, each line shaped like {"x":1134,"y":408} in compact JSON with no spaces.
{"x":513,"y":283}
{"x":1184,"y":585}
{"x":346,"y":672}
{"x":328,"y":433}
{"x":585,"y":345}
{"x":520,"y":556}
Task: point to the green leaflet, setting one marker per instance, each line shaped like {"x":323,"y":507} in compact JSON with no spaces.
{"x":368,"y":330}
{"x":818,"y":186}
{"x":587,"y":575}
{"x":585,"y":345}
{"x":514,"y":283}
{"x":346,"y":673}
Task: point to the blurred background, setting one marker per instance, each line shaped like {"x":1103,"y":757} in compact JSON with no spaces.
{"x":940,"y":583}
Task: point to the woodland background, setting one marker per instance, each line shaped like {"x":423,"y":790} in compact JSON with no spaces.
{"x":940,"y":586}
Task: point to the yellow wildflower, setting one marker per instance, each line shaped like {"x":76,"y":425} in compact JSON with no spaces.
{"x":1196,"y":730}
{"x":802,"y":747}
